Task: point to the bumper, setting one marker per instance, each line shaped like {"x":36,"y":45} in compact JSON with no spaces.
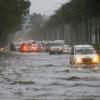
{"x":87,"y":66}
{"x":55,"y":52}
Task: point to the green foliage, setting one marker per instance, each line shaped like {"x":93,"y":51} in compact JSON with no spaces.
{"x":11,"y":15}
{"x":37,"y":21}
{"x":75,"y":10}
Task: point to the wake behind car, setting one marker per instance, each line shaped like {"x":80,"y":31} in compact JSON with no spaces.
{"x":84,"y":55}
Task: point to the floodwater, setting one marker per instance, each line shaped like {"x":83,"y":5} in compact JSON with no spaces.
{"x":40,"y":76}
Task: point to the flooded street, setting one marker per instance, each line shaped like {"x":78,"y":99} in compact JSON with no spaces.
{"x":40,"y":76}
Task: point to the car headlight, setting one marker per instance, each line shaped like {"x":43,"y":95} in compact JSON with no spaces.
{"x":78,"y":60}
{"x":95,"y":59}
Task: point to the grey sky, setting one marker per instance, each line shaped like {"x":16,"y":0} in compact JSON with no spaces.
{"x":45,"y":6}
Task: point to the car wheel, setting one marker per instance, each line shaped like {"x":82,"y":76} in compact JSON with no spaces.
{"x":61,"y":52}
{"x":70,"y":63}
{"x":73,"y":63}
{"x":51,"y":53}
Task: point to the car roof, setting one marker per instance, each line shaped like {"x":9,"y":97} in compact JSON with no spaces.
{"x":79,"y":46}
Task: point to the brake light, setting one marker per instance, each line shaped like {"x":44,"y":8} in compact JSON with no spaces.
{"x":25,"y":48}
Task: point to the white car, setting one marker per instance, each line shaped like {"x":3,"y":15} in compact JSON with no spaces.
{"x":67,"y":49}
{"x":83,"y":55}
{"x":55,"y":48}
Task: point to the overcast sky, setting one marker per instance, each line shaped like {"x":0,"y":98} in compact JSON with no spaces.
{"x":45,"y":6}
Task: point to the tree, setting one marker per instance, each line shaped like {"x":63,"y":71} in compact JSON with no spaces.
{"x":82,"y":18}
{"x":37,"y":22}
{"x":11,"y":16}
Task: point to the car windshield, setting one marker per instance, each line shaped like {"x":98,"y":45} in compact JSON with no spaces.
{"x":85,"y":51}
{"x":67,"y":46}
{"x":55,"y":44}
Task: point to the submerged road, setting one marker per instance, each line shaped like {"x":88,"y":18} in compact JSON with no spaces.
{"x":40,"y":76}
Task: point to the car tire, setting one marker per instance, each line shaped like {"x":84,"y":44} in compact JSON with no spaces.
{"x":51,"y":53}
{"x":70,"y":63}
{"x":60,"y":52}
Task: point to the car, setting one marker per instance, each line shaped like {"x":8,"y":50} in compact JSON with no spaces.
{"x":17,"y":45}
{"x":66,"y":49}
{"x":83,"y":55}
{"x":36,"y":47}
{"x":42,"y":47}
{"x":12,"y":47}
{"x":55,"y":48}
{"x":25,"y":47}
